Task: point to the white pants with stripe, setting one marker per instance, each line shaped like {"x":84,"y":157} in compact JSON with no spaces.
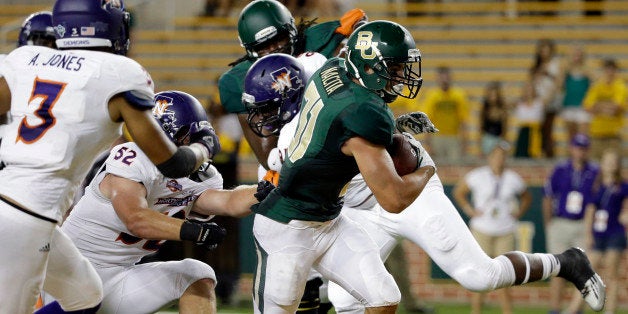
{"x":339,"y":249}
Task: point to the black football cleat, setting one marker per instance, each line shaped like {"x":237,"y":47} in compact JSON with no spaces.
{"x":575,"y":267}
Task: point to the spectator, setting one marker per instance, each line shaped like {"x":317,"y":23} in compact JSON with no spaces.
{"x":567,"y":191}
{"x":606,"y":101}
{"x":448,"y":108}
{"x":606,"y":235}
{"x":499,"y":197}
{"x":494,"y":116}
{"x":546,"y":69}
{"x":529,"y":115}
{"x":574,"y":84}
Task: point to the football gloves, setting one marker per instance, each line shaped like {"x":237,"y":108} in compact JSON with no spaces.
{"x":351,"y":20}
{"x":203,"y":133}
{"x":424,"y":158}
{"x":263,"y":189}
{"x":205,"y":234}
{"x":415,"y":123}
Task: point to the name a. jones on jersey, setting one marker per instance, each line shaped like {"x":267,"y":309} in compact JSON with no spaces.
{"x":62,"y":61}
{"x":331,"y":80}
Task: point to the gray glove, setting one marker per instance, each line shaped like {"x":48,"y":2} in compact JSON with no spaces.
{"x":415,"y":123}
{"x":424,"y":158}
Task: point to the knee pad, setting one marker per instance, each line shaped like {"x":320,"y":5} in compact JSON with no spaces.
{"x":388,"y":292}
{"x":283,"y":281}
{"x":193,"y":270}
{"x":489,"y":276}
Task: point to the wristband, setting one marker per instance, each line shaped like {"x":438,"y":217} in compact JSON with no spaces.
{"x":190,"y":232}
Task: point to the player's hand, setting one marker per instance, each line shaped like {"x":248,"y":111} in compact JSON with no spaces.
{"x":209,"y":234}
{"x":415,"y":123}
{"x":351,"y":20}
{"x":424,"y":158}
{"x":203,"y":133}
{"x":263,"y":189}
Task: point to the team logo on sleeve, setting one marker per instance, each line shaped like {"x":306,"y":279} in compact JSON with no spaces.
{"x":284,"y":81}
{"x":174,"y":186}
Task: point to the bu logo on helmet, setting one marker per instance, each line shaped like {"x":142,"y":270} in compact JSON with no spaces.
{"x":365,"y":42}
{"x":284,"y":81}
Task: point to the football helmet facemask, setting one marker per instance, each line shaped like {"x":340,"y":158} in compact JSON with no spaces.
{"x":37,"y":30}
{"x":264,"y":22}
{"x":273,"y":90}
{"x":383,"y":56}
{"x":176,"y":111}
{"x":94,"y":23}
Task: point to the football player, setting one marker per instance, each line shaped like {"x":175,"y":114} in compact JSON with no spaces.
{"x":343,"y":129}
{"x":431,"y":221}
{"x":67,"y":106}
{"x":267,"y":26}
{"x":130,"y":208}
{"x":264,"y":27}
{"x":36,"y":30}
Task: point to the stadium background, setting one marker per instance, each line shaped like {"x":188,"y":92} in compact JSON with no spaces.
{"x":481,"y":41}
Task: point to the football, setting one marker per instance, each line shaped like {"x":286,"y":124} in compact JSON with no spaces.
{"x":403,"y":155}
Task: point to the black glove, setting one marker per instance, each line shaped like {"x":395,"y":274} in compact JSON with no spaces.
{"x":263,"y":189}
{"x":207,"y":234}
{"x":415,"y":123}
{"x":203,"y":133}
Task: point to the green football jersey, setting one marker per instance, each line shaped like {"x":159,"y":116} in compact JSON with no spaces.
{"x":316,"y":173}
{"x":319,"y":38}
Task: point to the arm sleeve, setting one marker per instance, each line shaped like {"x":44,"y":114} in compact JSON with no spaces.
{"x":323,"y":39}
{"x":135,"y":83}
{"x":230,"y":90}
{"x":369,"y":121}
{"x":129,"y":162}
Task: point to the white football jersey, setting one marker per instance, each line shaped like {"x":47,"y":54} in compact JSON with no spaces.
{"x":94,"y":225}
{"x":60,"y":120}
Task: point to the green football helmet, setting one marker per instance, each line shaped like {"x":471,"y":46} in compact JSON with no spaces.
{"x":377,"y":52}
{"x":262,"y":21}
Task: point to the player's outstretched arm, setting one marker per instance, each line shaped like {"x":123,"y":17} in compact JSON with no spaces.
{"x":128,"y":198}
{"x":129,"y":202}
{"x":234,"y":203}
{"x":393,"y":193}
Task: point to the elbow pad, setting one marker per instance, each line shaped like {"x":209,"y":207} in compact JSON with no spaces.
{"x":181,"y":164}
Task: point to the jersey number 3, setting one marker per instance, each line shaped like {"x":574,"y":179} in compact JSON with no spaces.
{"x":47,"y":93}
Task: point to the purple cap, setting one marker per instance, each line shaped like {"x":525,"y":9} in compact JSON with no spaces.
{"x":580,"y":140}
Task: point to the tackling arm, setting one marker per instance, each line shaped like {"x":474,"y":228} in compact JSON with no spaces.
{"x":234,"y":203}
{"x":393,"y":193}
{"x":128,"y":198}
